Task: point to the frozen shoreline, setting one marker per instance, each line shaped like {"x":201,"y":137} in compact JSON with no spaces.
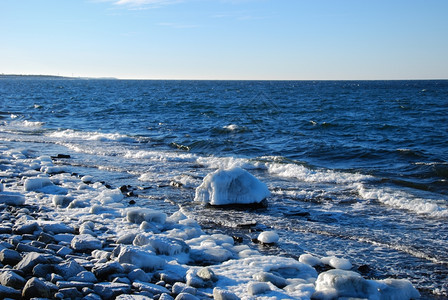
{"x":97,"y":228}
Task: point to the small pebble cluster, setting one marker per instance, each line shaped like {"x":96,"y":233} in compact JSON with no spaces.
{"x":50,"y":262}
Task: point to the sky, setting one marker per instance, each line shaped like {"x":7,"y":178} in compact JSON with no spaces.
{"x":226,"y":39}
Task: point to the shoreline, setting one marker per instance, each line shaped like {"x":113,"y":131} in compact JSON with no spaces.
{"x":71,"y":225}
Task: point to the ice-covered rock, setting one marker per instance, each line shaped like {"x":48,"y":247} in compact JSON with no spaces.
{"x":256,"y":288}
{"x":143,"y":259}
{"x":33,"y":184}
{"x":110,"y":196}
{"x":310,"y":259}
{"x":337,"y":262}
{"x":138,"y":215}
{"x":86,"y":242}
{"x":341,"y":283}
{"x":12,"y":198}
{"x":233,"y":186}
{"x":268,"y":237}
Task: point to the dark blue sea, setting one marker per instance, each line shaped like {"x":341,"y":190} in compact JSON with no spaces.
{"x":356,"y":169}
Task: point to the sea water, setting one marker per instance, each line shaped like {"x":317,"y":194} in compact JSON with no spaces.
{"x":356,"y":169}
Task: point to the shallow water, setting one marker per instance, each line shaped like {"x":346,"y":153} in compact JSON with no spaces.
{"x":356,"y":169}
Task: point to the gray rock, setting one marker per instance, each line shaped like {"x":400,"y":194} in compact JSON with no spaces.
{"x":64,"y":251}
{"x":145,"y":260}
{"x":21,"y":247}
{"x":109,"y":290}
{"x":55,"y":277}
{"x":27,"y":228}
{"x":180,"y":287}
{"x":92,"y":296}
{"x":86,"y":242}
{"x":186,"y":296}
{"x":220,"y":294}
{"x":74,"y":284}
{"x":8,"y":292}
{"x":84,"y":276}
{"x":36,"y":288}
{"x":165,"y":296}
{"x":11,"y":279}
{"x":120,"y":279}
{"x":70,"y":292}
{"x":56,"y":228}
{"x":103,"y":270}
{"x":30,"y":260}
{"x":170,"y":277}
{"x":10,"y":257}
{"x":138,"y":275}
{"x":45,"y":238}
{"x":5,"y":229}
{"x":134,"y":297}
{"x":42,"y":270}
{"x":69,"y":269}
{"x":150,"y":287}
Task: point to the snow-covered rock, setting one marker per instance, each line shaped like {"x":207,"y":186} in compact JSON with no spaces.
{"x":268,"y":237}
{"x":233,"y":186}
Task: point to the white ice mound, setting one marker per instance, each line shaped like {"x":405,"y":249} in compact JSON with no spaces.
{"x":233,"y":186}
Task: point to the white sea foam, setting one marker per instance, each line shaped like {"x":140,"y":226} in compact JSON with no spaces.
{"x":70,"y":134}
{"x":402,"y":200}
{"x":307,"y":175}
{"x":163,"y":156}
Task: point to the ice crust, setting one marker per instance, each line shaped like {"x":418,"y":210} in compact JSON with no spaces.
{"x":231,"y":186}
{"x":155,"y":242}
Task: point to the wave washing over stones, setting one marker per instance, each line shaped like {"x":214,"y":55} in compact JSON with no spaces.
{"x":65,"y":237}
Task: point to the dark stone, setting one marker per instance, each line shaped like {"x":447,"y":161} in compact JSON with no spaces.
{"x":30,"y":260}
{"x":10,"y":257}
{"x":132,"y":202}
{"x":36,"y":288}
{"x":68,"y":269}
{"x":42,"y":270}
{"x":364,"y":269}
{"x":8,"y":292}
{"x":103,"y":270}
{"x":11,"y":279}
{"x":74,"y":284}
{"x":45,"y":238}
{"x":237,"y":239}
{"x":71,"y":293}
{"x":27,"y":228}
{"x":5,"y":230}
{"x":109,"y":290}
{"x":61,"y":156}
{"x":38,"y":244}
{"x":28,"y":248}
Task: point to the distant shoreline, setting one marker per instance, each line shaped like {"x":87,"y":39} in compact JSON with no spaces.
{"x":58,"y":77}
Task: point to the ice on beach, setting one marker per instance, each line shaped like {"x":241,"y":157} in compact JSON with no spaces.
{"x":337,"y":262}
{"x":37,"y":183}
{"x":143,"y":259}
{"x":268,"y":237}
{"x":233,"y":186}
{"x":12,"y":198}
{"x":110,"y":196}
{"x":342,"y":283}
{"x":310,"y":259}
{"x":138,"y":215}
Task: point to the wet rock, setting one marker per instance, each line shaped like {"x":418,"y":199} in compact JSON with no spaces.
{"x":64,"y":251}
{"x":103,"y":270}
{"x":84,"y":276}
{"x":165,"y":296}
{"x":42,"y":270}
{"x":10,"y":257}
{"x":69,"y":269}
{"x":92,"y":296}
{"x":150,"y":287}
{"x":74,"y":284}
{"x":36,"y":288}
{"x":8,"y":292}
{"x":30,"y":260}
{"x":28,"y":248}
{"x":109,"y":290}
{"x":27,"y":228}
{"x":11,"y":279}
{"x":71,"y":293}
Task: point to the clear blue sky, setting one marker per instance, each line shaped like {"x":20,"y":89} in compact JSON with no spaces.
{"x":226,"y":39}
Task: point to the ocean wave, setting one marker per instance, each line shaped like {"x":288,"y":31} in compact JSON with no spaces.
{"x":402,"y":200}
{"x":305,"y":174}
{"x":90,"y":136}
{"x":164,"y":156}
